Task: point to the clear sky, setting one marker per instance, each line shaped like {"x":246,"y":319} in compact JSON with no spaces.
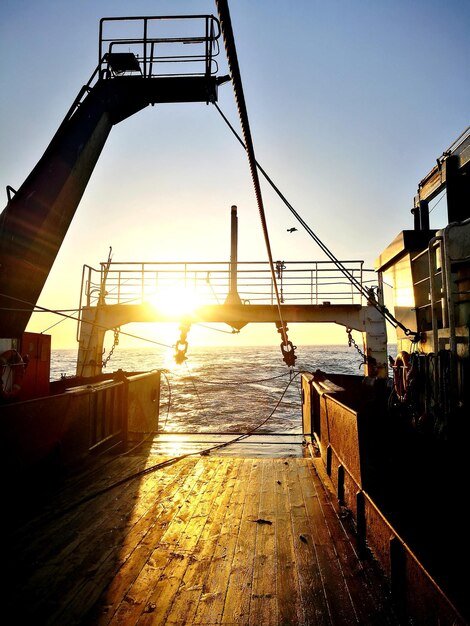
{"x":350,"y":103}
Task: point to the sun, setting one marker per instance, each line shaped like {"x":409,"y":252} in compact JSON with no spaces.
{"x":175,"y":301}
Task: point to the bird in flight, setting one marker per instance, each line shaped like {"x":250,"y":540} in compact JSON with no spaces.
{"x":291,"y":230}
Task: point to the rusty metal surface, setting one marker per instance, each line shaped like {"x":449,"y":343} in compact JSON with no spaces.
{"x":416,"y":592}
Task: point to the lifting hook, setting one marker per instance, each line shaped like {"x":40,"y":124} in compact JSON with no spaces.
{"x":181,"y":345}
{"x":287,"y":348}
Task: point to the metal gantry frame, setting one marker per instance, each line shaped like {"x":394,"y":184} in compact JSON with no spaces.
{"x":156,"y":46}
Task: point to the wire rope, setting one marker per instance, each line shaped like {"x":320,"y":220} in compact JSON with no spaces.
{"x":441,"y":198}
{"x":191,"y":376}
{"x":171,"y":461}
{"x":243,"y":382}
{"x":219,"y":330}
{"x":232,"y":58}
{"x":169,"y":397}
{"x":57,"y":323}
{"x":77,"y":319}
{"x":362,"y":290}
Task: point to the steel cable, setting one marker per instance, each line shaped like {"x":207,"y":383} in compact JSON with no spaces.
{"x":362,"y":290}
{"x":229,"y":41}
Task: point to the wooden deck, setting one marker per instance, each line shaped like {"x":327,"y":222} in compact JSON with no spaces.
{"x":206,"y":540}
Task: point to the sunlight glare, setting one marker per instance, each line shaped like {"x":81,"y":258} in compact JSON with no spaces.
{"x":173,"y":445}
{"x":169,"y":360}
{"x":175,"y":301}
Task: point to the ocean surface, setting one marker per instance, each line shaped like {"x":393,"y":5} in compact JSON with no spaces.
{"x":227,"y":390}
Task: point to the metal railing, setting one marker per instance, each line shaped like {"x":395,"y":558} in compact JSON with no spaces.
{"x":299,"y":282}
{"x":159,"y":46}
{"x":149,"y":52}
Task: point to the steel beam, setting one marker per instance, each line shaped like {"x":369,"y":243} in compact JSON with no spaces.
{"x":367,"y":320}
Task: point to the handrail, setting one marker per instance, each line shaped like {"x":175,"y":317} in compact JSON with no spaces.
{"x":303,"y":282}
{"x":159,"y":46}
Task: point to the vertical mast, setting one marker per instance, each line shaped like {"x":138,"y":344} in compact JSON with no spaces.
{"x":233,"y":297}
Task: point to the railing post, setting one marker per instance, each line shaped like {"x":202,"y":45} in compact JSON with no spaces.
{"x":311,"y":286}
{"x":316,"y":282}
{"x":423,"y":215}
{"x":380,"y":294}
{"x":208,"y":47}
{"x":329,"y":458}
{"x":360,"y":281}
{"x":152,"y":50}
{"x":432,"y":293}
{"x":144,"y":43}
{"x":142,"y":286}
{"x":88,"y":294}
{"x":340,"y":487}
{"x":361,"y":522}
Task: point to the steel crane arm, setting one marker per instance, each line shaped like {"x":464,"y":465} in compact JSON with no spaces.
{"x":36,"y":219}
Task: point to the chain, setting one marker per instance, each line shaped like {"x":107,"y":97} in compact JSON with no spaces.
{"x":105,"y":361}
{"x":351,"y":342}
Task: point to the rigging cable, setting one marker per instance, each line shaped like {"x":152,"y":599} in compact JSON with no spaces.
{"x":234,"y":331}
{"x":42,"y":309}
{"x":167,"y":462}
{"x":362,"y":290}
{"x":443,"y":196}
{"x":242,"y":382}
{"x":169,"y":397}
{"x":58,"y":322}
{"x":253,"y":430}
{"x":288,"y":350}
{"x":194,"y":386}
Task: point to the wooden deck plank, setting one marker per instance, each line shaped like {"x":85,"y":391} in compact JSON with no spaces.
{"x":62,"y":517}
{"x":192,"y":544}
{"x":165,"y":592}
{"x":139,"y":546}
{"x":339,"y":599}
{"x":89,"y":539}
{"x":311,"y":583}
{"x":290,"y":606}
{"x":263,"y":606}
{"x":211,"y":603}
{"x":111,"y":563}
{"x":157,"y":594}
{"x":153,"y":553}
{"x":335,"y":544}
{"x":238,"y":597}
{"x":185,"y":604}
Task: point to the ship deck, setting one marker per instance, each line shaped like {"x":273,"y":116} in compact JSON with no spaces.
{"x":205,"y":540}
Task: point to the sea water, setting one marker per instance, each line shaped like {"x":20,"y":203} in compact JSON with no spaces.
{"x":226,"y":390}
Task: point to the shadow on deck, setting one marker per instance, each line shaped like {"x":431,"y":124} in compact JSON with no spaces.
{"x":204,"y":540}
